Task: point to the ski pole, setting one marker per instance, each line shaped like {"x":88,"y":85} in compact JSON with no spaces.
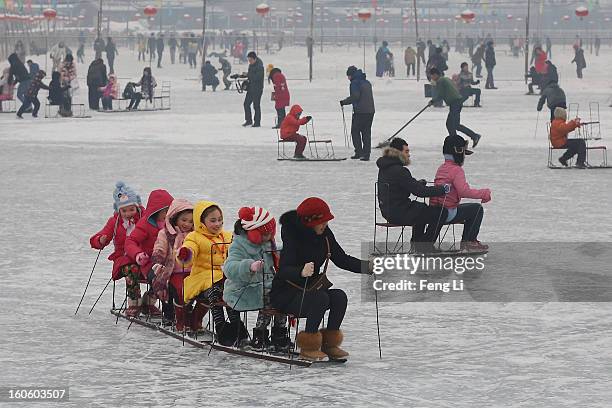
{"x":101,"y":293}
{"x":346,"y":137}
{"x":297,"y":325}
{"x":88,"y":280}
{"x":377,"y":324}
{"x":536,"y":128}
{"x":386,"y":142}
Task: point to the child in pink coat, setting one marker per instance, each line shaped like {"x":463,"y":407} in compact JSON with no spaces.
{"x":120,"y":225}
{"x":169,"y":274}
{"x":470,"y":214}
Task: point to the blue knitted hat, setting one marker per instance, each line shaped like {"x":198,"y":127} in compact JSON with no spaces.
{"x":124,"y":196}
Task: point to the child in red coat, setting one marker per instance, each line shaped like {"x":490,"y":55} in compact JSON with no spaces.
{"x":280,"y":96}
{"x":139,"y":247}
{"x":120,"y":225}
{"x":291,"y":124}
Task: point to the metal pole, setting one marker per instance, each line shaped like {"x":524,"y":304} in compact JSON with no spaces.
{"x":527,"y":39}
{"x":161,"y":12}
{"x":311,"y":45}
{"x":416,"y":29}
{"x":99,"y":27}
{"x":203,"y":30}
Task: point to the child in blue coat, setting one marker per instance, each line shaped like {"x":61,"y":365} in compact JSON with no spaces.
{"x":249,"y":270}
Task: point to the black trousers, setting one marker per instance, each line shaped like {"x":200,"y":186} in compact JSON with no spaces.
{"x":111,"y":64}
{"x":575,"y":147}
{"x":434,"y":218}
{"x":135,"y":101}
{"x":255,"y":99}
{"x":470,"y":214}
{"x":26,"y":104}
{"x":159,"y":59}
{"x":361,"y":132}
{"x":489,"y":83}
{"x":280,"y":115}
{"x":94,"y":98}
{"x":453,"y":121}
{"x":408,"y":67}
{"x":315,"y":304}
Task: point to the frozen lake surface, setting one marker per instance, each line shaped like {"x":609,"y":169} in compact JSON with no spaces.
{"x":57,"y":180}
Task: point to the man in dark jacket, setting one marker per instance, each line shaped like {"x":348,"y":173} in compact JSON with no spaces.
{"x":420,"y":46}
{"x":160,"y":49}
{"x":99,"y":47}
{"x":396,"y":185}
{"x":477,"y":58}
{"x":490,"y":64}
{"x":437,"y":61}
{"x":554,"y":97}
{"x":96,"y":78}
{"x":362,"y":99}
{"x":172,"y":44}
{"x":226,"y":68}
{"x":19,"y":74}
{"x":111,"y":51}
{"x":31,"y":97}
{"x":209,"y":76}
{"x":447,"y":92}
{"x":255,"y":78}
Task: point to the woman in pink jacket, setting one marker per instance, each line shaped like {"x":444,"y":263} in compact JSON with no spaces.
{"x":470,"y":214}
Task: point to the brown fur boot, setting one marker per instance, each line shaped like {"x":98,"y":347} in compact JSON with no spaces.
{"x":310,"y":346}
{"x":332,"y":339}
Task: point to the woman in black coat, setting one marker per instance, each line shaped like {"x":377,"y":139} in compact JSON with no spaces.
{"x":308,"y":246}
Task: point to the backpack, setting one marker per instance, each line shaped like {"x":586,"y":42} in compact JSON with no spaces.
{"x":128,"y":91}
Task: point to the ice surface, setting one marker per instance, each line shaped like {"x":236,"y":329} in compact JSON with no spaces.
{"x":57,"y":179}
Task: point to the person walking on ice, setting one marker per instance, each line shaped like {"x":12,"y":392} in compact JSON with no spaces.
{"x":447,"y":92}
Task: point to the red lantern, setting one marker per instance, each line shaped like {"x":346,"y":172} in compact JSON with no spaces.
{"x":364,"y":14}
{"x":509,"y":16}
{"x":150,"y":11}
{"x":468,"y":15}
{"x":49,"y":13}
{"x":262,"y":9}
{"x":582,"y":11}
{"x":186,"y":16}
{"x":566,"y":18}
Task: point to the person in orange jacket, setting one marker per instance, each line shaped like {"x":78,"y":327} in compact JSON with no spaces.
{"x":289,"y":130}
{"x":559,"y":130}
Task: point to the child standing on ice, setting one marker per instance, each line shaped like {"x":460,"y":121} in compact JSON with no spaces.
{"x":128,"y":210}
{"x":289,"y":130}
{"x":205,"y":250}
{"x":250,"y":268}
{"x":169,"y":274}
{"x":470,"y":214}
{"x":139,"y":247}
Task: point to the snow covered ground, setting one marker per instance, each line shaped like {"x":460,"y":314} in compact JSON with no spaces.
{"x":56,"y":184}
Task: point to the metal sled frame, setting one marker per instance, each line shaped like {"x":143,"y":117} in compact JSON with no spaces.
{"x":589,"y":131}
{"x":158,"y":103}
{"x":78,"y":112}
{"x":316,"y":152}
{"x":8,"y":106}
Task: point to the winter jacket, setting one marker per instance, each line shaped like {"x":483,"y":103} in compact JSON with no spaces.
{"x":478,"y":55}
{"x":69,"y":72}
{"x":396,"y":185}
{"x":111,"y":50}
{"x":143,"y":238}
{"x":226,"y":67}
{"x":58,"y":53}
{"x":255,"y":75}
{"x":56,"y":90}
{"x":559,"y":129}
{"x":160,"y":45}
{"x":489,"y":57}
{"x":96,"y":74}
{"x":540,"y":63}
{"x":6,"y":86}
{"x":409,"y":56}
{"x":437,"y":61}
{"x":466,"y":80}
{"x":169,"y":241}
{"x":243,"y":289}
{"x":552,"y":75}
{"x":111,"y":90}
{"x":17,"y":70}
{"x":200,"y":242}
{"x":579,"y":59}
{"x":361,"y":96}
{"x":291,"y":124}
{"x":452,"y":173}
{"x":147,"y":86}
{"x":281,"y":91}
{"x":209,"y":74}
{"x":446,"y":91}
{"x":553,"y":95}
{"x":116,"y":231}
{"x":302,"y":245}
{"x":36,"y":85}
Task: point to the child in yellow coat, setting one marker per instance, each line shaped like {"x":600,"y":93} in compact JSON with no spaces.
{"x":205,"y":250}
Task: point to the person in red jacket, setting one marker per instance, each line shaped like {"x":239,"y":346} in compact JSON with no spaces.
{"x":280,"y":96}
{"x":120,"y":225}
{"x":139,"y":247}
{"x":289,"y":130}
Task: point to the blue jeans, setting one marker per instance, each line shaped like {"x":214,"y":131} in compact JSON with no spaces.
{"x":22,"y":88}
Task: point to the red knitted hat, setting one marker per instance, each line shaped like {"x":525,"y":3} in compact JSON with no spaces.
{"x":257,"y":221}
{"x":314,"y":211}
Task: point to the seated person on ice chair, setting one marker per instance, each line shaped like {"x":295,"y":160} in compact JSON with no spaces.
{"x":559,"y":130}
{"x":289,"y":130}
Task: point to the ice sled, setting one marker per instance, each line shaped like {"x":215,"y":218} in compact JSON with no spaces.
{"x":320,"y":149}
